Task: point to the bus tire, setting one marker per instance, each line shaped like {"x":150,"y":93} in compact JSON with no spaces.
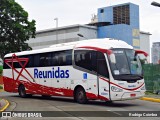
{"x":109,"y":102}
{"x":46,"y":96}
{"x":29,"y":95}
{"x":22,"y":91}
{"x":80,"y":96}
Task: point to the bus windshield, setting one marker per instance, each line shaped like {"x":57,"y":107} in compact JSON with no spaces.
{"x":127,"y":66}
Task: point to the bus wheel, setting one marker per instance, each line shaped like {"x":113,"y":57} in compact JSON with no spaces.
{"x":46,"y":96}
{"x":80,"y":95}
{"x":109,"y":102}
{"x":22,"y":91}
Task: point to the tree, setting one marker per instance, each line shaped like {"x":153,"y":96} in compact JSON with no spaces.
{"x":15,"y":28}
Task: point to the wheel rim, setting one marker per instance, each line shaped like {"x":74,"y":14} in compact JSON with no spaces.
{"x":80,"y":96}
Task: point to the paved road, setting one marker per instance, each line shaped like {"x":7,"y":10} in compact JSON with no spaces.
{"x":37,"y":103}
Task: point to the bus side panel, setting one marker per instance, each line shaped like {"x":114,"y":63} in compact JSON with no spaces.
{"x":86,"y":80}
{"x":8,"y":84}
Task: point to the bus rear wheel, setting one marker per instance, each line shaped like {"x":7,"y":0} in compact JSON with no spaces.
{"x":22,"y":91}
{"x":80,"y":96}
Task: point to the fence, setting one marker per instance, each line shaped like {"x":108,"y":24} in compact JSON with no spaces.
{"x":152,"y":77}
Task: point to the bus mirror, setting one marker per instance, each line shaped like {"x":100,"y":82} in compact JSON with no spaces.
{"x":141,"y":52}
{"x":113,"y":58}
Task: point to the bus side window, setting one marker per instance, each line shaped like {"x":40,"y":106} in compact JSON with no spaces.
{"x":30,"y":62}
{"x":36,"y":60}
{"x":68,"y":57}
{"x":102,"y":68}
{"x":83,"y":58}
{"x":43,"y":60}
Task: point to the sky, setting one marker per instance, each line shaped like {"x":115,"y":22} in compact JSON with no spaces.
{"x":70,"y":12}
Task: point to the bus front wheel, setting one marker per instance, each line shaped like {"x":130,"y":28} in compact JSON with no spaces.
{"x":22,"y":91}
{"x":80,"y":96}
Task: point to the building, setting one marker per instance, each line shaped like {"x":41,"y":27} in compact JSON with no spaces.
{"x":117,"y":22}
{"x":156,"y":53}
{"x":145,"y":43}
{"x":45,"y":38}
{"x":123,"y":22}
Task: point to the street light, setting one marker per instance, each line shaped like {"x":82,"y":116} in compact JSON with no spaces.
{"x":155,"y":4}
{"x":56,"y":19}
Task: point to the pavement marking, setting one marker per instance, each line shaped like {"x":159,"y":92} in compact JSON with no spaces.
{"x":5,"y":107}
{"x":115,"y":112}
{"x":150,"y":99}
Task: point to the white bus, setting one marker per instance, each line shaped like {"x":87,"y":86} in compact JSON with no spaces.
{"x":94,"y":69}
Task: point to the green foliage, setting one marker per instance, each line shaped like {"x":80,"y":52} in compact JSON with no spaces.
{"x":152,"y":76}
{"x":15,"y":28}
{"x":1,"y":70}
{"x":1,"y":87}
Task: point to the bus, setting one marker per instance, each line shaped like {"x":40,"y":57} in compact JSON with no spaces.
{"x":96,"y":69}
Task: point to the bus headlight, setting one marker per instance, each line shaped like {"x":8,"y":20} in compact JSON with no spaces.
{"x":143,"y":88}
{"x":116,"y":89}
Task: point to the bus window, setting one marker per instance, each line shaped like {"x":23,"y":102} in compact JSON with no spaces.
{"x":30,"y":62}
{"x":68,"y":57}
{"x":102,"y":68}
{"x":86,"y":59}
{"x":36,"y":60}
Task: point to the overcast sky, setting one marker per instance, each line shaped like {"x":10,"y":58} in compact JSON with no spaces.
{"x":71,"y":12}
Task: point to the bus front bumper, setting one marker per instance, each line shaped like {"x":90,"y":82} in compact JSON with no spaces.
{"x":127,"y":96}
{"x":132,"y":95}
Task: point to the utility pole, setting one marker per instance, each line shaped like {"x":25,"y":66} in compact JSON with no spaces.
{"x":56,"y":19}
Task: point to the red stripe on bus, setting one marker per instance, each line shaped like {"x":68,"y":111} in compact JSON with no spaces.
{"x":98,"y":49}
{"x":121,"y":86}
{"x":34,"y":88}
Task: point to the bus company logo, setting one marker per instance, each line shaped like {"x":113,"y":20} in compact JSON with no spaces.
{"x":131,"y":86}
{"x":53,"y":73}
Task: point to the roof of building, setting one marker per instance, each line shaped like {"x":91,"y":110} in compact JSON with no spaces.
{"x":91,"y":26}
{"x":65,"y":27}
{"x":147,"y":33}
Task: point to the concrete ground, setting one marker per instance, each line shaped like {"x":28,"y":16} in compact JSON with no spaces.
{"x":64,"y":106}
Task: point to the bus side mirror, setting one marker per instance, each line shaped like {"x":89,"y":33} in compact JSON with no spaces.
{"x":112,"y":58}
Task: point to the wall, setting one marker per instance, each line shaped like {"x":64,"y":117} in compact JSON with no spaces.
{"x":127,"y":32}
{"x":47,"y":38}
{"x":145,"y":38}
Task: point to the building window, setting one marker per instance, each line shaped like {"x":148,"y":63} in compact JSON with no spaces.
{"x":121,"y":15}
{"x":102,"y":11}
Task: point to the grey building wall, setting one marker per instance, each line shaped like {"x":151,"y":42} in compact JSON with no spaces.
{"x":156,"y":53}
{"x":46,"y":38}
{"x":145,"y":43}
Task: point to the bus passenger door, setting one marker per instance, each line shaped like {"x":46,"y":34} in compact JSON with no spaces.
{"x":102,"y":77}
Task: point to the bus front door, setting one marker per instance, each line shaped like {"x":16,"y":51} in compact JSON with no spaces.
{"x":103,"y":79}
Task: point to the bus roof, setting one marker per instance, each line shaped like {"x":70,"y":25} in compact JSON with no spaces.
{"x":105,"y":43}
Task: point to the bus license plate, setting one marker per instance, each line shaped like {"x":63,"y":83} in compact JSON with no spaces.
{"x":133,"y":95}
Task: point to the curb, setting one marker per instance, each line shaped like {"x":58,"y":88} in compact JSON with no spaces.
{"x":5,"y":106}
{"x":1,"y":90}
{"x":150,"y":99}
